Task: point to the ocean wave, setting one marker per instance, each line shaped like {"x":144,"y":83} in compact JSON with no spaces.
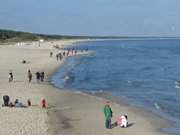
{"x":146,"y":68}
{"x":177,"y":84}
{"x":136,"y":83}
{"x":157,"y":106}
{"x":69,"y":78}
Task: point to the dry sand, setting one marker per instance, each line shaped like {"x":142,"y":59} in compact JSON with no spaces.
{"x":68,"y":113}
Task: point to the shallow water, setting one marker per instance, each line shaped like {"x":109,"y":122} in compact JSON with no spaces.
{"x":144,"y":72}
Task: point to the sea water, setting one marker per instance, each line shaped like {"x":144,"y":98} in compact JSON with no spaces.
{"x":145,"y":72}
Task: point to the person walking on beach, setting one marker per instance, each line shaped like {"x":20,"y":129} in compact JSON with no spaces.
{"x":42,"y":76}
{"x":108,"y":115}
{"x":60,"y":56}
{"x":29,"y":76}
{"x":38,"y":77}
{"x":57,"y":57}
{"x":64,"y":53}
{"x":51,"y":54}
{"x":75,"y":52}
{"x":10,"y":77}
{"x":68,"y":53}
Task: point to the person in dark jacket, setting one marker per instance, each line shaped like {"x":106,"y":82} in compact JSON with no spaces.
{"x":51,"y":54}
{"x":38,"y":77}
{"x":60,"y":56}
{"x":57,"y":57}
{"x":29,"y":76}
{"x":42,"y":76}
{"x":108,"y":115}
{"x":6,"y":100}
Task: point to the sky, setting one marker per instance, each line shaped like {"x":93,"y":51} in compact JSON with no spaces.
{"x":92,"y":17}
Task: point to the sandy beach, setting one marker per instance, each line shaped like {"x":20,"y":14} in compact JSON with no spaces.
{"x":67,"y":113}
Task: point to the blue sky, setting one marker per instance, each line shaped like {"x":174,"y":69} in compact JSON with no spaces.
{"x":93,"y":17}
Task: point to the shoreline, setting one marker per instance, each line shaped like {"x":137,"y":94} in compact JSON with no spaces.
{"x":116,"y":100}
{"x":68,"y":112}
{"x":119,"y":100}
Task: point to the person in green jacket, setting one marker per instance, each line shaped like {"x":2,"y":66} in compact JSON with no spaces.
{"x":108,"y":115}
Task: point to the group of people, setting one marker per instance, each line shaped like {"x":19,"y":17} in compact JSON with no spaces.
{"x":68,"y":52}
{"x":120,"y":121}
{"x":72,"y":51}
{"x":16,"y":103}
{"x":59,"y":56}
{"x":39,"y":76}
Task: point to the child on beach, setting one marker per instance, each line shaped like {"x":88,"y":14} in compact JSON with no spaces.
{"x":108,"y":115}
{"x":122,"y":121}
{"x":29,"y":102}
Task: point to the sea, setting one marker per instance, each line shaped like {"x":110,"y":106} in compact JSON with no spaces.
{"x":143,"y":72}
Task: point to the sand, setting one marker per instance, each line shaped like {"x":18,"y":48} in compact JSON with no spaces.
{"x":67,"y":113}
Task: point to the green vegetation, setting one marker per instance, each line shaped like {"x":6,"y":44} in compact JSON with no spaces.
{"x":17,"y":36}
{"x":8,"y":36}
